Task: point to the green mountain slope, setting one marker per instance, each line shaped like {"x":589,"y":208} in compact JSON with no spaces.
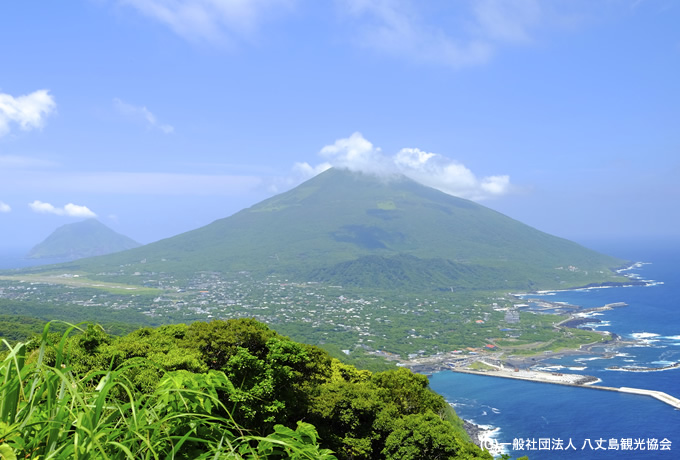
{"x":354,"y":229}
{"x":81,"y":239}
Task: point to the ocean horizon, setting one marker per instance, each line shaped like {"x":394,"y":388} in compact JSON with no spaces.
{"x":547,"y":421}
{"x":16,"y":258}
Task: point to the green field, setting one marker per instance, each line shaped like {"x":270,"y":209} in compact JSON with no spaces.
{"x":81,"y":281}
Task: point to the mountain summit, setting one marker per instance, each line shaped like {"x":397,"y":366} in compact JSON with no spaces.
{"x":81,"y":239}
{"x":359,"y":230}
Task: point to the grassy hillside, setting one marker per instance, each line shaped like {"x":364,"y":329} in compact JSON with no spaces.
{"x":341,"y":227}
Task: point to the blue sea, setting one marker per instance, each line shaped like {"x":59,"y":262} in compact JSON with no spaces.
{"x":586,"y":423}
{"x":535,"y":419}
{"x":16,"y":258}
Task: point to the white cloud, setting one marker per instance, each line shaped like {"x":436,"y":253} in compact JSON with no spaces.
{"x":217,"y":21}
{"x":4,"y":207}
{"x":412,"y":158}
{"x":434,"y":170}
{"x":496,"y":185}
{"x":357,"y":154}
{"x":72,"y":210}
{"x":78,"y":211}
{"x":28,"y":111}
{"x":307,"y":171}
{"x":477,"y":30}
{"x":39,"y":206}
{"x":141,"y":114}
{"x":300,"y":173}
{"x":450,"y":177}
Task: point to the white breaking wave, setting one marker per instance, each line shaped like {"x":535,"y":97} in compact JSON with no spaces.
{"x":549,"y":368}
{"x":644,"y":335}
{"x":489,"y":440}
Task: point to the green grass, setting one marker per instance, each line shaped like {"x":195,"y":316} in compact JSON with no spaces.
{"x":387,"y":205}
{"x":83,"y":282}
{"x":561,"y":343}
{"x":480,"y":366}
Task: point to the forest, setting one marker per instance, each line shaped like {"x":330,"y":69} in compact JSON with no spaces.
{"x":221,"y":389}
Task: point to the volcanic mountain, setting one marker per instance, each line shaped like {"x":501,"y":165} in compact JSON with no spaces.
{"x":354,"y":229}
{"x":81,"y":239}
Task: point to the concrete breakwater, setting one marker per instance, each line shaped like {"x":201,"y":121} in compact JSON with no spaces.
{"x":574,"y":380}
{"x":660,"y":395}
{"x":569,"y":309}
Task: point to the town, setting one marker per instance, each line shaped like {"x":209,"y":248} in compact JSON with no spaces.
{"x":397,"y":326}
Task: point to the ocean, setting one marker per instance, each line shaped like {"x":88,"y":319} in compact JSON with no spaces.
{"x":16,"y":258}
{"x":545,"y":421}
{"x":535,"y":419}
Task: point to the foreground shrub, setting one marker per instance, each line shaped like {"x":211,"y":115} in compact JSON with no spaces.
{"x":48,"y":412}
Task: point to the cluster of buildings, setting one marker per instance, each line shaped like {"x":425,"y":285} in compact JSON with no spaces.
{"x":399,"y":326}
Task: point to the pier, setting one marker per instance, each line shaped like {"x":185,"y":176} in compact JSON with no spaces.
{"x":565,"y":308}
{"x":660,"y":395}
{"x":572,"y":380}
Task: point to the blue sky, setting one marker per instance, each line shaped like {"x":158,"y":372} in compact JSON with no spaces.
{"x":160,"y":116}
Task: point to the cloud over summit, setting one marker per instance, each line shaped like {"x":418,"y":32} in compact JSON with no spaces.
{"x":432,"y":169}
{"x":358,"y":154}
{"x":72,"y":210}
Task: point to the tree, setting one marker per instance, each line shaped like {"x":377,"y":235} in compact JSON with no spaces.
{"x":219,"y":340}
{"x":409,"y":391}
{"x":345,"y":414}
{"x":419,"y":436}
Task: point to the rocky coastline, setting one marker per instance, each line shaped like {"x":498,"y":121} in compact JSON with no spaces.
{"x":474,"y":431}
{"x":643,"y":369}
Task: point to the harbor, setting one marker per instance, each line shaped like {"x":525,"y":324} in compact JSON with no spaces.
{"x":568,"y":379}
